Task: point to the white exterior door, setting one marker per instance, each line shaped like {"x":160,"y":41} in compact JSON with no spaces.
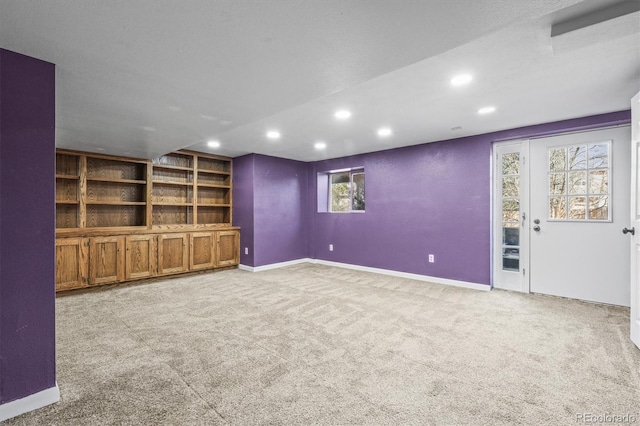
{"x":579,"y":198}
{"x":635,"y":220}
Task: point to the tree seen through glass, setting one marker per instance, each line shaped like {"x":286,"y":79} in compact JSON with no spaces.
{"x":347,"y":191}
{"x":579,"y":182}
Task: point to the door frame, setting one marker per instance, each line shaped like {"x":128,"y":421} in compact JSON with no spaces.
{"x":499,"y":278}
{"x":634,"y":310}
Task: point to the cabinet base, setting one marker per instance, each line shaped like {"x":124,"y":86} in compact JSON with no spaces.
{"x":139,"y":281}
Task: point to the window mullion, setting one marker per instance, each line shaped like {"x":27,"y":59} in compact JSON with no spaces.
{"x":350,"y":191}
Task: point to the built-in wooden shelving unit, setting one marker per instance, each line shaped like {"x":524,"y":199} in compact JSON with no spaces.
{"x":67,"y":191}
{"x":121,"y":218}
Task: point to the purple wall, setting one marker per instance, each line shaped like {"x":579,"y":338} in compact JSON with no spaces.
{"x":243,"y":204}
{"x":432,"y":198}
{"x":281,"y":210}
{"x":271,"y":205}
{"x":27,"y":226}
{"x":426,"y":199}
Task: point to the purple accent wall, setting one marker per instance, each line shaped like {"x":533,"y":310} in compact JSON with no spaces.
{"x":27,"y":226}
{"x":281,"y":210}
{"x":243,"y":204}
{"x":431,"y":198}
{"x":272,"y":206}
{"x":424,"y":199}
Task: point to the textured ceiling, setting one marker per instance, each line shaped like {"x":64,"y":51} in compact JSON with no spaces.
{"x":146,"y":77}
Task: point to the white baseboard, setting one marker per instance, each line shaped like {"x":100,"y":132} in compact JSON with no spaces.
{"x":274,"y":265}
{"x":418,"y":277}
{"x":29,"y":403}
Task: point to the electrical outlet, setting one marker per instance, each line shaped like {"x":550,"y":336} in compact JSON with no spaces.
{"x":431,"y":258}
{"x":330,"y":247}
{"x":246,"y":250}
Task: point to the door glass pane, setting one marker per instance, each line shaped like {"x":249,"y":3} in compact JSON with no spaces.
{"x":577,"y":207}
{"x":510,"y":235}
{"x":557,"y":183}
{"x":511,"y":186}
{"x":599,"y":207}
{"x":511,"y":163}
{"x":585,"y":176}
{"x":510,"y":181}
{"x":598,"y":181}
{"x":511,"y":211}
{"x":557,"y":159}
{"x":557,"y":208}
{"x":598,"y":156}
{"x":577,"y":157}
{"x":577,"y":182}
{"x":511,"y":259}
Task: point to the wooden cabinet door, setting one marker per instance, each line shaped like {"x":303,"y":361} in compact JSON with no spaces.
{"x":173,"y":253}
{"x":71,"y":263}
{"x":141,"y":256}
{"x":228,"y":248}
{"x":202,"y":253}
{"x":106,"y":260}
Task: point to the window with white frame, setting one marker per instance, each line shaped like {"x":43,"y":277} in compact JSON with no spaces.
{"x":346,"y":191}
{"x":579,"y":186}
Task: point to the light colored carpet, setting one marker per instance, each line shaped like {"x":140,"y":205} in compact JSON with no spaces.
{"x":311,"y":344}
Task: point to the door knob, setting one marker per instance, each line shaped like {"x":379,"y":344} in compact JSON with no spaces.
{"x":631,"y":231}
{"x":536,"y":228}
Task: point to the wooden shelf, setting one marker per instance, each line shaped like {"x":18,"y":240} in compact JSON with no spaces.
{"x":116,"y":203}
{"x":70,"y":177}
{"x":179,"y":188}
{"x":131,"y":181}
{"x":168,"y":167}
{"x":214,"y":172}
{"x":166,"y":182}
{"x":174,"y":204}
{"x":213,"y":185}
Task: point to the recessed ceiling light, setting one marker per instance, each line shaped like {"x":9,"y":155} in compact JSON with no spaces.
{"x":320,"y":145}
{"x":384,"y":131}
{"x":342,"y":114}
{"x":486,"y":110}
{"x":207,"y":117}
{"x":461,"y":79}
{"x":273,"y":134}
{"x":213,"y":144}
